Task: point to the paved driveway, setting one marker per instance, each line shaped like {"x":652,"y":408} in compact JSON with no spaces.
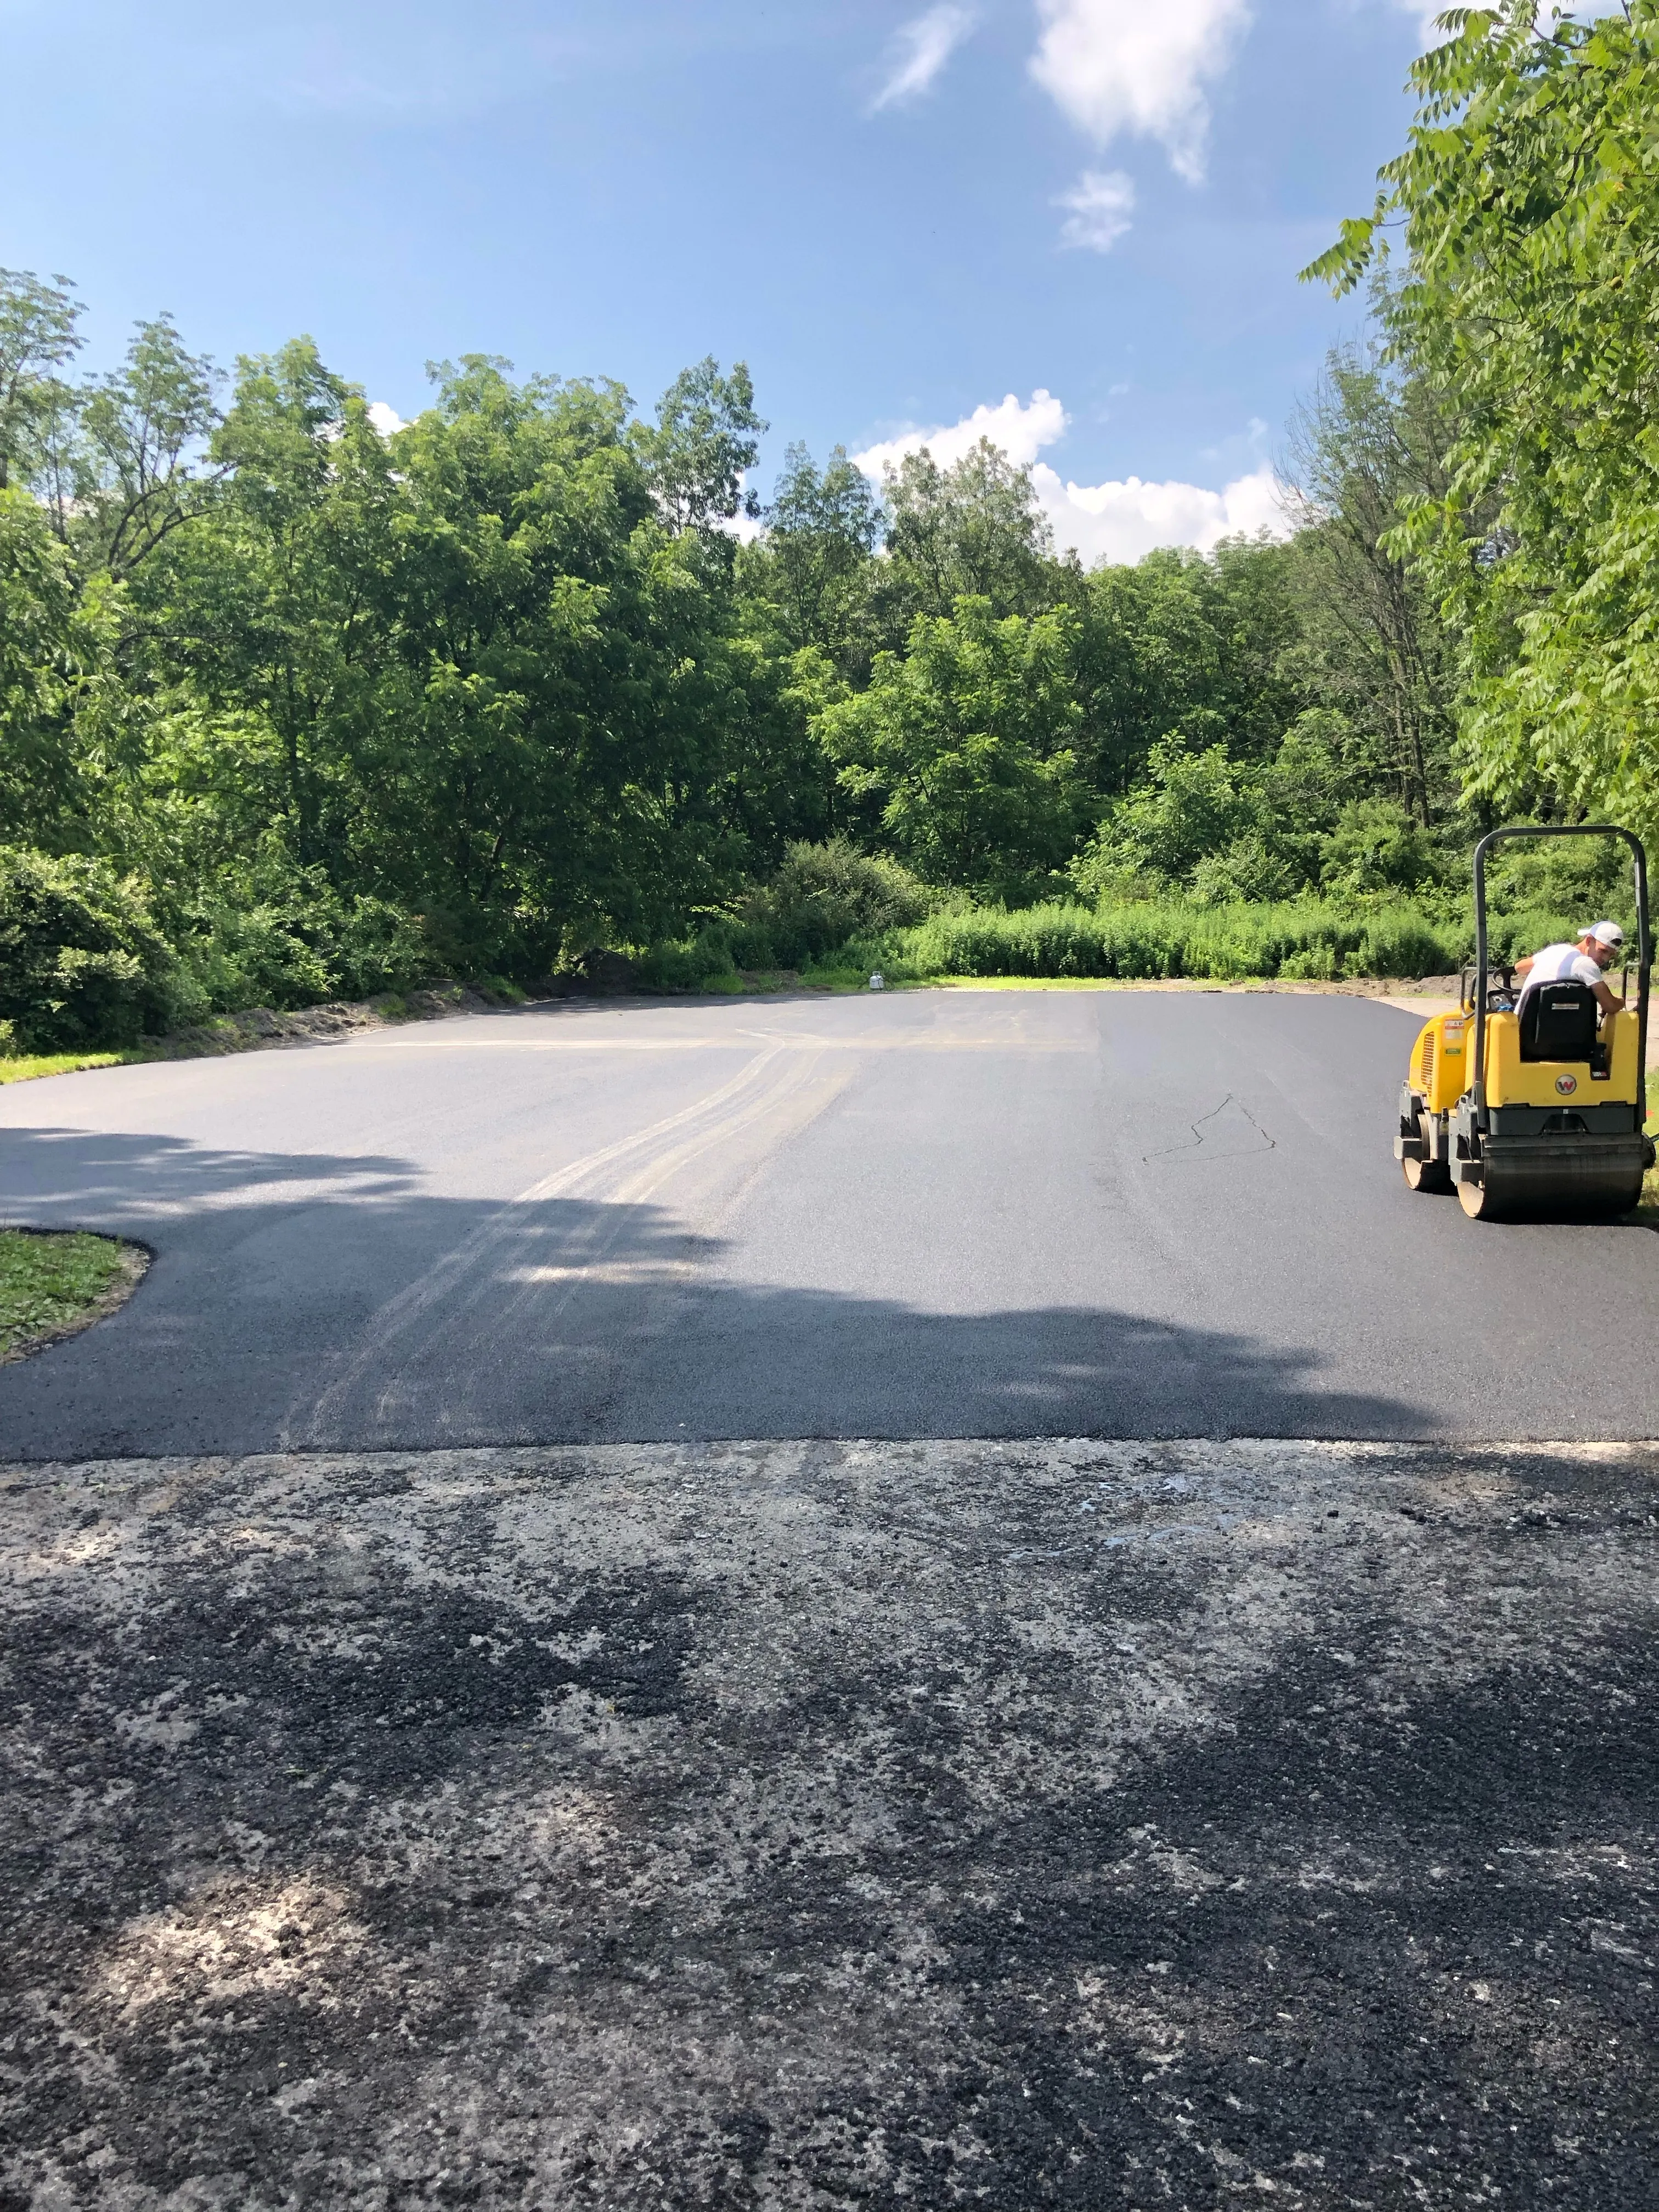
{"x":931,"y":1214}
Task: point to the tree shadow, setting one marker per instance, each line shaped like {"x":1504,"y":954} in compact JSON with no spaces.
{"x":115,"y":1176}
{"x":346,"y":1309}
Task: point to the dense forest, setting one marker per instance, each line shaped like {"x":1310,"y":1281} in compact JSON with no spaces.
{"x":290,"y":709}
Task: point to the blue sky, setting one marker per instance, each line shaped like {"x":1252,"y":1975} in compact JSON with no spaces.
{"x":897,"y":214}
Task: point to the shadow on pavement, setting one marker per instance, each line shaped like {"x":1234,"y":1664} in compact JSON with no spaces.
{"x":358,"y":1313}
{"x":114,"y":1178}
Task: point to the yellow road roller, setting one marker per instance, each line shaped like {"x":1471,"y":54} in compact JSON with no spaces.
{"x":1532,"y":1105}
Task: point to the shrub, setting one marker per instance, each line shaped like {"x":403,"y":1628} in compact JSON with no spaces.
{"x":82,"y":961}
{"x":1376,"y":846}
{"x":1307,"y":937}
{"x":290,"y":940}
{"x":822,"y":896}
{"x":379,"y":947}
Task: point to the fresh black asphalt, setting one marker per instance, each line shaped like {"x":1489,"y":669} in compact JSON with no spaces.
{"x":1130,"y":1213}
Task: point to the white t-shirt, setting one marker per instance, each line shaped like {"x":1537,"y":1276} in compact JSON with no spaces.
{"x":1560,"y":964}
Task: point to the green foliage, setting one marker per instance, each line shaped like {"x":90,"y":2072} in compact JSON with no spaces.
{"x":291,"y":710}
{"x":1152,"y":939}
{"x":288,"y":939}
{"x":1226,"y":830}
{"x":82,"y":961}
{"x":1192,"y":806}
{"x":972,"y":531}
{"x":1365,"y":447}
{"x":1181,"y":642}
{"x":810,"y":576}
{"x":40,"y":647}
{"x":821,"y":898}
{"x":703,"y":444}
{"x":1375,"y":846}
{"x":38,"y":336}
{"x":1528,"y":196}
{"x":964,"y":748}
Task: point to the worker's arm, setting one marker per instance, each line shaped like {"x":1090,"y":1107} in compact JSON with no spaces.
{"x":1523,"y":967}
{"x":1608,"y":1000}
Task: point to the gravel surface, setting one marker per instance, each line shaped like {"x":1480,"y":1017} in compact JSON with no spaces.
{"x":830,"y":1825}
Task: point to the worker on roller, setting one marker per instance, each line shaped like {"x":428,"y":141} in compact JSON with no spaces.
{"x":1583,"y":963}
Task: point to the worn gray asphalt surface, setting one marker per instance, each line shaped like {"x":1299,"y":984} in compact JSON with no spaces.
{"x":931,"y":1214}
{"x":819,"y":1826}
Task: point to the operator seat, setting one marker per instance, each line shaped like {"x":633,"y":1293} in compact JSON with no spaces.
{"x":1559,"y":1021}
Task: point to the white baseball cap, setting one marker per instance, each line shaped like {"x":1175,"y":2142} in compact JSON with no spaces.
{"x":1606,"y":933}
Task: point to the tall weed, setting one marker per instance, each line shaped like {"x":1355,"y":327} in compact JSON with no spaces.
{"x":1312,"y":939}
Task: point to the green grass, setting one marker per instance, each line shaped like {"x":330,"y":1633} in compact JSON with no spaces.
{"x":1311,"y":940}
{"x":51,"y":1281}
{"x":22,"y":1067}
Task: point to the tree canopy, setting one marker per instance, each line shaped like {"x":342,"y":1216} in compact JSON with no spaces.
{"x":290,"y":706}
{"x":1526,"y":300}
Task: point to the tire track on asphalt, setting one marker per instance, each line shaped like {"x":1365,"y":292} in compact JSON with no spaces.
{"x":431,"y":1298}
{"x":583,"y":1258}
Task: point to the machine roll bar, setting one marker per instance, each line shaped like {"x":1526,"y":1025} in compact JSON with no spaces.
{"x":1644,"y":947}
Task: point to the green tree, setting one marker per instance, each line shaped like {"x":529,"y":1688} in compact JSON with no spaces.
{"x":965,"y":746}
{"x":81,"y":962}
{"x":272,"y":611}
{"x":43,"y":649}
{"x":1363,"y":449}
{"x":1200,"y":643}
{"x":704,"y":442}
{"x":1191,"y":806}
{"x":39,"y":334}
{"x":811,"y":568}
{"x":137,"y":462}
{"x":973,"y":530}
{"x":1529,"y":197}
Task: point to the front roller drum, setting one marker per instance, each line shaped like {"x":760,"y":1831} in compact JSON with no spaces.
{"x":1432,"y":1178}
{"x":1563,"y":1182}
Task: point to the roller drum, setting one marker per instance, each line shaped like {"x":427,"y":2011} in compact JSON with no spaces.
{"x":1554,"y":1179}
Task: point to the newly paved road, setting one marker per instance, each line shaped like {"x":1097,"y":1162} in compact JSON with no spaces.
{"x":990,"y":1213}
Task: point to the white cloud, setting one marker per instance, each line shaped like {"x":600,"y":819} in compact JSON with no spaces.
{"x":1106,"y":521}
{"x":1425,"y":17}
{"x":746,"y":528}
{"x":386,"y":420}
{"x":1021,"y":431}
{"x":920,"y":51}
{"x":1121,"y":521}
{"x":1101,"y":204}
{"x":1139,"y":65}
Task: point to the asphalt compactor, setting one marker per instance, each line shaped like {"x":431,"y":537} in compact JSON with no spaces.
{"x":1539,"y":1113}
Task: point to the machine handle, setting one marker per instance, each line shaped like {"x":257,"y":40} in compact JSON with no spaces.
{"x":1644,"y":947}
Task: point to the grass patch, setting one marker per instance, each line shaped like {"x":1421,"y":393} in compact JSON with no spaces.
{"x":23,"y":1065}
{"x":53,"y":1283}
